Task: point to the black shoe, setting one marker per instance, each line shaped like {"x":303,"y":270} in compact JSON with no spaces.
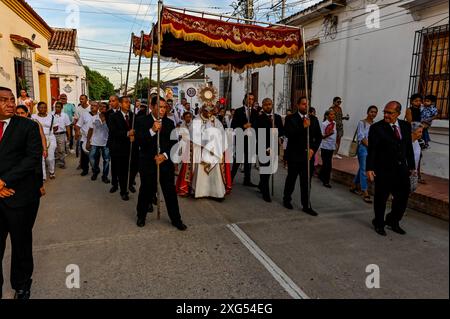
{"x":267,"y":198}
{"x":84,"y":173}
{"x":288,"y":205}
{"x":22,"y":294}
{"x":94,"y":177}
{"x":132,"y":189}
{"x":310,"y":211}
{"x":327,"y":185}
{"x":125,"y":197}
{"x":179,"y":226}
{"x":250,"y":184}
{"x":114,"y":189}
{"x":397,"y":229}
{"x":106,"y":180}
{"x":380,"y":231}
{"x":140,"y":222}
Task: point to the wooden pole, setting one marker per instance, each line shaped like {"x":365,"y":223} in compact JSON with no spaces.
{"x":134,"y":111}
{"x":128,"y":68}
{"x":273,"y":119}
{"x":305,"y":69}
{"x":158,"y":78}
{"x":151,"y":69}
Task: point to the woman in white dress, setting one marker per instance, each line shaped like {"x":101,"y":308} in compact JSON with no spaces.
{"x":48,"y":124}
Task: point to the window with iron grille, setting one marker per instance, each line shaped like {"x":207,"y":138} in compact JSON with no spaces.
{"x":429,"y":66}
{"x":298,"y":88}
{"x":23,"y":70}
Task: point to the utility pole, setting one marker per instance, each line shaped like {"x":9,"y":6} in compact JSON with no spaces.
{"x":119,"y":69}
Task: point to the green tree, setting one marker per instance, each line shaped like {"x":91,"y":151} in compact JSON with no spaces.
{"x":100,"y":88}
{"x":142,"y":88}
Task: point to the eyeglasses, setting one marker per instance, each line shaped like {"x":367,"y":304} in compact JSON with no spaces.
{"x":390,"y":112}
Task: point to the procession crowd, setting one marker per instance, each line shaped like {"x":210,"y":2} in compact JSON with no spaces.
{"x":138,"y":139}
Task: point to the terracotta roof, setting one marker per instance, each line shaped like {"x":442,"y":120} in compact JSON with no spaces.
{"x":63,"y":39}
{"x":22,"y":41}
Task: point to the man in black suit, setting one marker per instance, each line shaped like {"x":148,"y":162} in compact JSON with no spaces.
{"x":122,"y":143}
{"x":114,"y":108}
{"x":298,"y":154}
{"x":20,"y":181}
{"x":266,"y":121}
{"x":390,"y":162}
{"x":244,"y":118}
{"x":147,"y":128}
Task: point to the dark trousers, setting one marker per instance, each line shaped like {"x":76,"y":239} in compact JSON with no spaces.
{"x":296,"y":169}
{"x":18,"y":223}
{"x":121,"y":164}
{"x":247,"y":165}
{"x":114,"y":169}
{"x":71,"y":139}
{"x":398,"y":185}
{"x":148,"y":175}
{"x":264,"y":184}
{"x":84,"y":159}
{"x":327,"y":165}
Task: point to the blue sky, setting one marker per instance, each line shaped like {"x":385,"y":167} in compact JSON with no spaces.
{"x":106,"y":25}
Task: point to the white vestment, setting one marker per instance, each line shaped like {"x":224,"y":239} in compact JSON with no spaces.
{"x":208,"y":155}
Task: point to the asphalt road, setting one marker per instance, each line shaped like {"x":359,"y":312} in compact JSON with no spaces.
{"x":239,"y":248}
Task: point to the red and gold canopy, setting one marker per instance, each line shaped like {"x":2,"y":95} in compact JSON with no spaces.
{"x":213,"y":42}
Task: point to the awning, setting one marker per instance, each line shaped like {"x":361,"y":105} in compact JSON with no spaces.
{"x":221,"y":44}
{"x":23,"y":42}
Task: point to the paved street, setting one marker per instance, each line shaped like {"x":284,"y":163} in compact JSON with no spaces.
{"x":325,"y":257}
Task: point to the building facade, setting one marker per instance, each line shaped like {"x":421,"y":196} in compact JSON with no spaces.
{"x":67,"y":74}
{"x":368,"y":53}
{"x":24,"y":56}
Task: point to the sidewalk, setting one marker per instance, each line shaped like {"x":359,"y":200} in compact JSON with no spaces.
{"x":430,"y":198}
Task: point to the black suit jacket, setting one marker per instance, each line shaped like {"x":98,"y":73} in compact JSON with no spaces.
{"x":240,"y":118}
{"x":387,"y":156}
{"x":297,"y":137}
{"x":21,"y":161}
{"x":119,"y":142}
{"x":148,"y":144}
{"x":263,"y":121}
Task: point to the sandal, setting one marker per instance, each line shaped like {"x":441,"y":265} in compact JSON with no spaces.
{"x":367,"y":199}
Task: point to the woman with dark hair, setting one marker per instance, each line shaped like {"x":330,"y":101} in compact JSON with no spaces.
{"x":339,"y":117}
{"x":363,"y":144}
{"x":22,"y":110}
{"x":413,"y":112}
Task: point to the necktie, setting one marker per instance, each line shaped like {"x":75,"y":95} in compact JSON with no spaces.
{"x":2,"y":124}
{"x":127,"y":119}
{"x":396,"y":133}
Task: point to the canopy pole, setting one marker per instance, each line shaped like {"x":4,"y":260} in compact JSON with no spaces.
{"x":134,"y":111}
{"x":151,"y":70}
{"x":128,"y":68}
{"x":158,"y":78}
{"x":305,"y":69}
{"x":273,"y":120}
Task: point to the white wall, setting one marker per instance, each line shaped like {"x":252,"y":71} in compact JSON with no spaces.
{"x":363,"y":67}
{"x":186,"y":84}
{"x":66,"y":67}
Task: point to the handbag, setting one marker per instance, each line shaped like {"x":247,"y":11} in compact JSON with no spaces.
{"x":354,"y":145}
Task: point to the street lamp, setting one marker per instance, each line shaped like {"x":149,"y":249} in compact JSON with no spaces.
{"x":119,"y":69}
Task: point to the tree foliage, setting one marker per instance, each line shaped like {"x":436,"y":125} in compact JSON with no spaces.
{"x":100,"y":88}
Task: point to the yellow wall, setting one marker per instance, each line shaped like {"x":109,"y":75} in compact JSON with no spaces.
{"x":11,"y":23}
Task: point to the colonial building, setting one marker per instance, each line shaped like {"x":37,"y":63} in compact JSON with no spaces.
{"x":24,"y":57}
{"x":67,"y":72}
{"x":366,"y":52}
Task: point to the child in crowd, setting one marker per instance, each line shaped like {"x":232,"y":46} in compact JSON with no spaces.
{"x":428,"y":113}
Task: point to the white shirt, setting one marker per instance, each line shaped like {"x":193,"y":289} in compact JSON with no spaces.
{"x":46,"y":123}
{"x":80,"y":110}
{"x":61,"y":121}
{"x":99,"y":131}
{"x":328,"y":143}
{"x":84,"y":122}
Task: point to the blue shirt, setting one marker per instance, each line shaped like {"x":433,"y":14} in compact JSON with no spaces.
{"x":69,"y":109}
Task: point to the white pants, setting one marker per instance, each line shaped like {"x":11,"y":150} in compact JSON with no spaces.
{"x":50,"y":160}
